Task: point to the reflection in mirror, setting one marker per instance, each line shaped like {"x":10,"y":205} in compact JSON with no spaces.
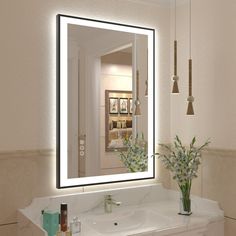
{"x":118,"y":122}
{"x":98,"y":93}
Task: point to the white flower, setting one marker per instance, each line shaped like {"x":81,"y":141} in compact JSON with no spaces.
{"x":183,"y":162}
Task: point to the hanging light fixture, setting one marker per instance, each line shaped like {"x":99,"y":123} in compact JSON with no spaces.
{"x":146,"y":88}
{"x":190,"y":98}
{"x":146,"y":81}
{"x":137,"y":103}
{"x":175,"y":77}
{"x":137,"y":110}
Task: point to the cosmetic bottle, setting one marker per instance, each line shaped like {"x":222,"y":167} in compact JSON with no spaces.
{"x":50,"y":222}
{"x":75,"y":226}
{"x":63,"y":217}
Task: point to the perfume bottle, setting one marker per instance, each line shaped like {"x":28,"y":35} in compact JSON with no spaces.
{"x":75,"y":226}
{"x":63,"y":217}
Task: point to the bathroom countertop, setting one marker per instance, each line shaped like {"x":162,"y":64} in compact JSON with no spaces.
{"x":152,"y":201}
{"x":168,"y":209}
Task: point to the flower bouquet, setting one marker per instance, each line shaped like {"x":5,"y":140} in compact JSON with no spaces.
{"x":183,"y":162}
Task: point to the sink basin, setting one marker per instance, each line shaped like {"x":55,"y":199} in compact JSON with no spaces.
{"x":126,"y":221}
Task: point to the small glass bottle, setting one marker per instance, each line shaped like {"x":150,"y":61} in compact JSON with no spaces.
{"x":75,"y":226}
{"x":63,"y":219}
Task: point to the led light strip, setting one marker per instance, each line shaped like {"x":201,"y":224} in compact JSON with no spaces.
{"x":69,"y":182}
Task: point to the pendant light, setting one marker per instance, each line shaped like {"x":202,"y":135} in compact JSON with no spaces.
{"x":175,"y":77}
{"x":137,"y":111}
{"x":137,"y":103}
{"x":190,"y":98}
{"x":146,"y":81}
{"x":146,"y":88}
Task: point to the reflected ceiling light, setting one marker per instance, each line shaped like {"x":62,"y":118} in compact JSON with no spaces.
{"x":190,"y":98}
{"x":175,"y":77}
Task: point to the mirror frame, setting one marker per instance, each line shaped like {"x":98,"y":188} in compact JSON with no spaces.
{"x":62,"y":85}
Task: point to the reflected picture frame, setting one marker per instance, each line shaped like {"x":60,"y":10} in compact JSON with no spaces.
{"x":123,"y":105}
{"x":113,"y":105}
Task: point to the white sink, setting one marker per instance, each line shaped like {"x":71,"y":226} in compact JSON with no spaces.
{"x":126,"y":221}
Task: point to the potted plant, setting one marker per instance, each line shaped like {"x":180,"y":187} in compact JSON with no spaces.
{"x":183,"y":162}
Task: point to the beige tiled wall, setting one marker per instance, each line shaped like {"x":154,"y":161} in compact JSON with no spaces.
{"x":217,"y":181}
{"x":25,"y":175}
{"x":29,"y":174}
{"x":230,"y":227}
{"x":8,"y":230}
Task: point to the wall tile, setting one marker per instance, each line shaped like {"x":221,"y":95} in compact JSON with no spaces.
{"x":230,"y":227}
{"x":219,"y":179}
{"x":23,"y":176}
{"x":8,"y":230}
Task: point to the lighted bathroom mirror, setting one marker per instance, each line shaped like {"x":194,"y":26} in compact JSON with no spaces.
{"x":98,"y":92}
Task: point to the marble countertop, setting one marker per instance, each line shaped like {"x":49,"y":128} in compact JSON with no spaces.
{"x":155,"y":198}
{"x":168,"y":209}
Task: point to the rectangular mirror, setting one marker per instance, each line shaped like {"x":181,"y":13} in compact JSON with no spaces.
{"x":105,"y":102}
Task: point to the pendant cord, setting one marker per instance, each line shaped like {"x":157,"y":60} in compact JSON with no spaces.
{"x":190,"y":47}
{"x":175,"y":19}
{"x":135,"y":48}
{"x":190,"y":29}
{"x":175,"y":47}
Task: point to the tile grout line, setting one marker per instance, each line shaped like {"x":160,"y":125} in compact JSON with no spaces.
{"x":6,"y":224}
{"x":231,"y":218}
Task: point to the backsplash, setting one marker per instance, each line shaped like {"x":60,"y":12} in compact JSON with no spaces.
{"x":216,"y":181}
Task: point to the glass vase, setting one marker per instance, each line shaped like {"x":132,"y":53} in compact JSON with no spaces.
{"x":185,"y":204}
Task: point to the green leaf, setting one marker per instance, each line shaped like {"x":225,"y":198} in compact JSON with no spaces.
{"x":182,"y":161}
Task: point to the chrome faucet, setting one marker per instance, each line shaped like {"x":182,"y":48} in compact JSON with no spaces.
{"x":108,"y":202}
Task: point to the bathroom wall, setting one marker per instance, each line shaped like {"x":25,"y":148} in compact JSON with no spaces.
{"x":214,"y":60}
{"x":27,"y":92}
